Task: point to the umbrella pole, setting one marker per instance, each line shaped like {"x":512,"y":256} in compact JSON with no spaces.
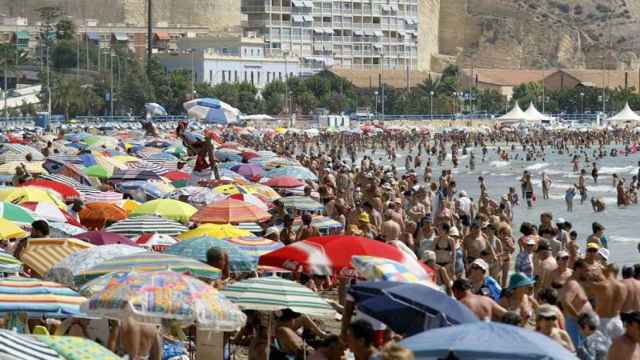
{"x":269,"y":336}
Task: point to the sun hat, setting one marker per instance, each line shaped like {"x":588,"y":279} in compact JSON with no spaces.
{"x":604,"y":253}
{"x":518,"y":280}
{"x":546,"y":311}
{"x":364,"y":217}
{"x":481,"y":264}
{"x":428,"y":255}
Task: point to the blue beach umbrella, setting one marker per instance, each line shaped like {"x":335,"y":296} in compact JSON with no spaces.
{"x":155,"y":109}
{"x":212,"y":111}
{"x":485,"y":341}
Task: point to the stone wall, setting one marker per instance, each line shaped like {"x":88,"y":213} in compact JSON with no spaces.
{"x":218,"y":15}
{"x":429,"y":27}
{"x":453,"y":19}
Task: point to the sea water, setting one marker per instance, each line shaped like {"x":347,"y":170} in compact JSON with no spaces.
{"x":622,"y":224}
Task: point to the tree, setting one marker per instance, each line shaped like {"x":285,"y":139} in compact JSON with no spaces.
{"x":307,"y":102}
{"x":65,"y":30}
{"x":64,"y":55}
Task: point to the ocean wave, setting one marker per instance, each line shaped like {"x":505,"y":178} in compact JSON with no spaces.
{"x":609,"y":200}
{"x":624,"y":239}
{"x":600,"y":188}
{"x":555,"y":172}
{"x":537,"y":166}
{"x":609,"y":170}
{"x":499,"y":163}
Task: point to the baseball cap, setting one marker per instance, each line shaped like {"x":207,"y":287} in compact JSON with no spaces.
{"x":593,"y":245}
{"x":481,"y":264}
{"x":364,"y":217}
{"x":604,"y":253}
{"x":562,"y":254}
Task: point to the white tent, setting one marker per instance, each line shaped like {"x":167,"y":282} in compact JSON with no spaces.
{"x":625,"y":115}
{"x":534,"y":115}
{"x":515,"y":114}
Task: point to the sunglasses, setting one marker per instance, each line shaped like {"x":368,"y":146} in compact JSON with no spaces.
{"x":549,"y":318}
{"x":592,"y":250}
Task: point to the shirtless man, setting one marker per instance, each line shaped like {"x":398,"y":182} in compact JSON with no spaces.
{"x":544,"y":266}
{"x":574,"y":300}
{"x":136,"y":340}
{"x":484,"y":307}
{"x":632,"y":302}
{"x":563,"y":272}
{"x":609,"y":295}
{"x":627,"y":346}
{"x":474,"y":244}
{"x":391,"y":230}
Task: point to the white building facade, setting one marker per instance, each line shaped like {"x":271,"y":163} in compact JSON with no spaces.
{"x":244,"y":61}
{"x":359,"y":34}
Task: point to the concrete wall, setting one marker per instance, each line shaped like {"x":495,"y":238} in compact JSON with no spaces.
{"x":218,"y":15}
{"x":428,"y":29}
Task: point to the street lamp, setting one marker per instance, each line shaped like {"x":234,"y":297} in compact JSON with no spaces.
{"x":582,"y":103}
{"x":376,"y":94}
{"x":431,"y":104}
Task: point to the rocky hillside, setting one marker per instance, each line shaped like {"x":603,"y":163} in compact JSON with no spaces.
{"x":534,"y":33}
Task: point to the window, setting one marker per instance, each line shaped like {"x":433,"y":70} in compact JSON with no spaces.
{"x":245,"y":76}
{"x":252,"y":78}
{"x":236,"y":77}
{"x":211,"y":76}
{"x":280,"y":75}
{"x":268,"y":73}
{"x":258,"y":74}
{"x":223,"y":73}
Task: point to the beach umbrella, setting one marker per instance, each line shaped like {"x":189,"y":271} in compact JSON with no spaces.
{"x":212,"y":111}
{"x":327,"y":255}
{"x":155,"y":109}
{"x":110,"y":197}
{"x":42,"y":254}
{"x":197,"y":248}
{"x":274,"y":294}
{"x":38,"y":297}
{"x":177,"y":175}
{"x":264,"y":191}
{"x":149,"y":261}
{"x":298,"y":172}
{"x":9,"y":230}
{"x":67,"y":192}
{"x":16,"y":346}
{"x":17,"y":214}
{"x":104,"y":238}
{"x":156,"y":242}
{"x":8,"y":263}
{"x":148,"y":166}
{"x":148,"y":299}
{"x":303,"y":203}
{"x":284,"y":182}
{"x":98,"y":215}
{"x":255,"y":246}
{"x":221,"y":231}
{"x":249,"y":171}
{"x":228,"y":211}
{"x":19,"y":195}
{"x":134,"y":174}
{"x":66,"y":180}
{"x":141,"y":189}
{"x":147,"y":224}
{"x":18,"y":152}
{"x":97,"y":171}
{"x":66,"y":269}
{"x":254,"y":199}
{"x":49,"y":212}
{"x":33,"y":167}
{"x":484,"y":341}
{"x":166,"y":208}
{"x":409,"y":308}
{"x":232,"y":189}
{"x":228,"y":157}
{"x":76,"y":348}
{"x":375,"y":268}
{"x":128,"y":205}
{"x":62,"y":230}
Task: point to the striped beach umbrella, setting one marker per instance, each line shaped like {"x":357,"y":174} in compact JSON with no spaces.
{"x":38,"y":297}
{"x":256,"y":246}
{"x":134,"y":174}
{"x":49,"y":212}
{"x":103,"y":197}
{"x":8,"y":263}
{"x":230,"y":211}
{"x":303,"y":203}
{"x":376,"y":268}
{"x":148,"y":166}
{"x":19,"y":152}
{"x":63,"y":230}
{"x":147,"y":224}
{"x":325,"y":224}
{"x":82,"y":189}
{"x":22,"y":347}
{"x":42,"y":254}
{"x":148,"y":261}
{"x":274,"y":293}
{"x":298,"y":172}
{"x":67,"y":192}
{"x":149,"y":299}
{"x":197,"y":249}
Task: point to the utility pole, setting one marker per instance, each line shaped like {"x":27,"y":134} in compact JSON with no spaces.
{"x":382,"y":84}
{"x":111,"y":92}
{"x":149,"y":34}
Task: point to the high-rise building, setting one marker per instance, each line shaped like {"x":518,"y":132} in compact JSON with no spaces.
{"x":357,"y":34}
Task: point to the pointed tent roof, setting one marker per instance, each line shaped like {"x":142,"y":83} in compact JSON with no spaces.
{"x":536,"y":115}
{"x":625,"y":115}
{"x":515,"y":114}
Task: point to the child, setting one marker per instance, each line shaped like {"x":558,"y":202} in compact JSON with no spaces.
{"x":568,"y":197}
{"x":513,"y":196}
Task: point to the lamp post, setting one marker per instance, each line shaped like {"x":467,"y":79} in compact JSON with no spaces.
{"x":582,"y":104}
{"x":376,"y":94}
{"x":431,"y":104}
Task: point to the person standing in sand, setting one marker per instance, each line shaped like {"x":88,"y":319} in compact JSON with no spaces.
{"x":627,"y":346}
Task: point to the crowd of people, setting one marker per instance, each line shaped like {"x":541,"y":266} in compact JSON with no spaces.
{"x":542,"y":276}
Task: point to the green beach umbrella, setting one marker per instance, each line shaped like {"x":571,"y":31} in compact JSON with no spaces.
{"x":16,"y":213}
{"x":96,"y":171}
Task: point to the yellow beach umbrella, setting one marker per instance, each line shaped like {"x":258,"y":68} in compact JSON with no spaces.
{"x":9,"y":230}
{"x":41,"y":254}
{"x":166,"y":208}
{"x":216,"y":231}
{"x":281,"y":130}
{"x":125,"y":158}
{"x":232,"y":189}
{"x":18,"y":195}
{"x":33,"y":167}
{"x":110,"y":164}
{"x":263,"y":190}
{"x":129,"y":205}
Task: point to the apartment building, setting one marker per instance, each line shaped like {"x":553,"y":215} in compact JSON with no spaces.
{"x":355,"y":34}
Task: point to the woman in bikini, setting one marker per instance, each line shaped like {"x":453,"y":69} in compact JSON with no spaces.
{"x":445,"y":248}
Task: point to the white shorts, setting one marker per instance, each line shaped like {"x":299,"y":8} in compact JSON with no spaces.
{"x":611,"y":327}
